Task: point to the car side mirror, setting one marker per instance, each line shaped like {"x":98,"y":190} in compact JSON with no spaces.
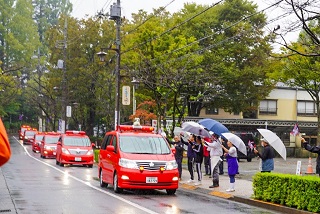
{"x":59,"y":143}
{"x":110,"y":148}
{"x":93,"y":145}
{"x":173,"y":150}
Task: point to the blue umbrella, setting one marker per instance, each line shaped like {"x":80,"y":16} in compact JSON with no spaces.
{"x":213,"y":125}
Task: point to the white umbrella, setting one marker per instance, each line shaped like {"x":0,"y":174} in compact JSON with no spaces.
{"x":236,"y":141}
{"x":274,"y":141}
{"x":195,"y":128}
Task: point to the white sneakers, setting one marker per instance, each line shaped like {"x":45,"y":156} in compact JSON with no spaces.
{"x":190,"y":181}
{"x":230,"y":190}
{"x":197,"y":183}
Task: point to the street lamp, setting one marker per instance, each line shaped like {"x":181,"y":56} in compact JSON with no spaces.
{"x":115,"y":14}
{"x":135,"y":84}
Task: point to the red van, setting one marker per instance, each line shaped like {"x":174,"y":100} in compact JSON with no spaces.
{"x":29,"y":135}
{"x":49,"y":145}
{"x":21,"y":131}
{"x":74,"y":147}
{"x":133,"y":157}
{"x":36,"y":141}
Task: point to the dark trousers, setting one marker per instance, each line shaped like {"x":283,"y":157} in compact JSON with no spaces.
{"x":198,"y":168}
{"x":221,"y":166}
{"x":207,"y":165}
{"x":179,"y":162}
{"x":190,"y":167}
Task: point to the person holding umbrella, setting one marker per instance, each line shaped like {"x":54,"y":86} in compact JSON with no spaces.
{"x":313,"y":149}
{"x":190,"y":155}
{"x":266,"y":156}
{"x":233,"y":166}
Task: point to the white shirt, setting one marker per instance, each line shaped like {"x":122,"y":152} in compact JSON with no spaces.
{"x":215,"y":148}
{"x":233,"y":152}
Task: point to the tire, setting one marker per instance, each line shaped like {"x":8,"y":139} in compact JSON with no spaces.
{"x":90,"y":165}
{"x":171,"y":191}
{"x":57,"y":162}
{"x":116,"y":188}
{"x":249,"y":159}
{"x":102,"y":183}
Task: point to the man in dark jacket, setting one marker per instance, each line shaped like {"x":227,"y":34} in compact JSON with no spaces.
{"x":178,"y":145}
{"x":266,"y":156}
{"x":191,"y":155}
{"x":313,"y":149}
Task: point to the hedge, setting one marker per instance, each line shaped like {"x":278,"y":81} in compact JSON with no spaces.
{"x":301,"y":192}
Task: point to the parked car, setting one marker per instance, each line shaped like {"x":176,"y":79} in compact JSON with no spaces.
{"x":134,"y":157}
{"x":248,"y":140}
{"x":29,"y":135}
{"x":49,"y":145}
{"x":74,"y":147}
{"x":21,"y":131}
{"x":36,"y":141}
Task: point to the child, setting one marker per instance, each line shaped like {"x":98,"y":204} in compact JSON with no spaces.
{"x":198,"y":149}
{"x":231,"y":156}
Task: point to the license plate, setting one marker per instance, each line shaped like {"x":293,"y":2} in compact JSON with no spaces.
{"x":152,"y":180}
{"x":77,"y":159}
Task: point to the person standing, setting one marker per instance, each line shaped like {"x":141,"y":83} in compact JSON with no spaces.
{"x":5,"y":151}
{"x":190,"y":155}
{"x":215,"y":153}
{"x":198,"y":148}
{"x":206,"y":159}
{"x":233,"y":166}
{"x":267,"y":156}
{"x":313,"y":149}
{"x":178,"y":145}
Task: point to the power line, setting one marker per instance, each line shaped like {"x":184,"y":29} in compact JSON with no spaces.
{"x":171,"y":29}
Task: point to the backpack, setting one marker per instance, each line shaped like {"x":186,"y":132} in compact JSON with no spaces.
{"x":5,"y":151}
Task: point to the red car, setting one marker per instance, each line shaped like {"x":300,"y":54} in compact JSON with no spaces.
{"x":36,"y":141}
{"x":133,"y":157}
{"x":49,"y":145}
{"x":74,"y":147}
{"x":21,"y":131}
{"x":29,"y":135}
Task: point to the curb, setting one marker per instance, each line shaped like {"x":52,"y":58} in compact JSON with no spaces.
{"x":252,"y":202}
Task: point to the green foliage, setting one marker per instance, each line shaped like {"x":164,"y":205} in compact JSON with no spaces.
{"x":289,"y":190}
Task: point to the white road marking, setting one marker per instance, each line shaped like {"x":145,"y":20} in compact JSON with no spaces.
{"x":89,"y":185}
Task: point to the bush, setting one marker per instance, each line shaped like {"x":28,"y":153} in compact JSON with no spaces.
{"x":96,"y":155}
{"x":301,"y":192}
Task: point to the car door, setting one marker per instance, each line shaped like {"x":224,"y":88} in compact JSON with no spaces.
{"x":103,"y":160}
{"x":114,"y":156}
{"x":109,"y":160}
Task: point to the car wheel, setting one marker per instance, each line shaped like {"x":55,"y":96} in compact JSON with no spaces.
{"x":90,"y":165}
{"x":57,"y":162}
{"x":102,"y":184}
{"x":249,"y":159}
{"x":61,"y":164}
{"x":171,"y":191}
{"x":115,"y":184}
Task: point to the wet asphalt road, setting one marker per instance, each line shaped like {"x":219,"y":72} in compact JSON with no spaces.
{"x":40,"y":186}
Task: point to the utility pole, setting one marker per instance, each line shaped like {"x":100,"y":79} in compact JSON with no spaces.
{"x":115,"y":14}
{"x":64,"y":81}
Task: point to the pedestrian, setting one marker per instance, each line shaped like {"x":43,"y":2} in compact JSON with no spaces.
{"x":215,"y":153}
{"x":266,"y":156}
{"x":178,"y":145}
{"x":206,"y":159}
{"x":190,"y":155}
{"x":313,"y":149}
{"x":233,"y":166}
{"x":198,"y":148}
{"x":5,"y":151}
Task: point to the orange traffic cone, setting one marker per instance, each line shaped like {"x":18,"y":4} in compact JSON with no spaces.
{"x":309,"y":169}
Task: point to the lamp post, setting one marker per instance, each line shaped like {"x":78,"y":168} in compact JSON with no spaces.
{"x":135,"y":84}
{"x":115,"y":14}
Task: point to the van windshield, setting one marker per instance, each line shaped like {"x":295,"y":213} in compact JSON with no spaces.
{"x":52,"y":139}
{"x":76,"y":141}
{"x":144,"y":145}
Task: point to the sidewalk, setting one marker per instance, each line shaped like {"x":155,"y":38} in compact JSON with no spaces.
{"x":6,"y":203}
{"x":243,"y":191}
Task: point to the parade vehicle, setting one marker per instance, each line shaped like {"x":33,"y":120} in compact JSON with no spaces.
{"x":48,"y":145}
{"x":36,"y":141}
{"x":21,"y":131}
{"x":134,"y":157}
{"x":29,"y":135}
{"x":75,"y":148}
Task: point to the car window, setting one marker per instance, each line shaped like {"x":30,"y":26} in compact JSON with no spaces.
{"x":105,"y":141}
{"x":76,"y":141}
{"x":30,"y":133}
{"x":39,"y":137}
{"x":51,"y":139}
{"x":114,"y":143}
{"x":144,"y":145}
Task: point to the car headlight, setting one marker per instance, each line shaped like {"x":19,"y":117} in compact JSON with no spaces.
{"x":171,"y":165}
{"x":128,"y":163}
{"x":90,"y":152}
{"x":65,"y":151}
